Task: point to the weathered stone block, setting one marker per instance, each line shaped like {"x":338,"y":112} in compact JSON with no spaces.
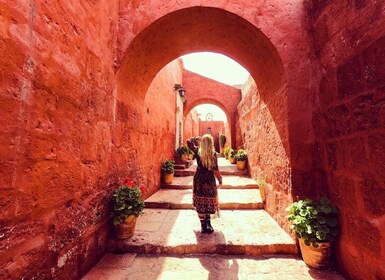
{"x":373,"y":194}
{"x":368,"y":242}
{"x":376,"y":144}
{"x":364,"y":113}
{"x":342,"y":191}
{"x":338,"y":121}
{"x":374,"y":63}
{"x":328,"y":87}
{"x":350,"y":156}
{"x":350,"y":78}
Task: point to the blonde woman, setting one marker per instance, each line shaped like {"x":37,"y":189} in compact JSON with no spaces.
{"x":205,"y":194}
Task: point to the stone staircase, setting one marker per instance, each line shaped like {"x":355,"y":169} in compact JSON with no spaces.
{"x":171,"y":226}
{"x":246,"y":244}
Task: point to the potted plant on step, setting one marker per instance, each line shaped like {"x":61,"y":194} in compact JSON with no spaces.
{"x":316,"y":226}
{"x":127,"y":206}
{"x":183,"y":152}
{"x":167,"y":170}
{"x":241,"y":157}
{"x":232,"y":156}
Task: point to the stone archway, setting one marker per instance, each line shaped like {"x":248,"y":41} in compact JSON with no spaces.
{"x":202,"y":101}
{"x":201,"y":90}
{"x":185,"y":31}
{"x":173,"y":31}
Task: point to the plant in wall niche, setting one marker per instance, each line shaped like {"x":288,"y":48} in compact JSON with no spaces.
{"x":316,"y":225}
{"x":167,"y":170}
{"x":127,"y":206}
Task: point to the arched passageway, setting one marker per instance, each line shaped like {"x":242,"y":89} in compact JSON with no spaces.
{"x":206,"y":117}
{"x":217,"y":30}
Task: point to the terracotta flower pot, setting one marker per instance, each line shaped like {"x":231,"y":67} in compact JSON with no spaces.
{"x":232,"y":160}
{"x":167,"y":178}
{"x":316,"y":257}
{"x":241,"y":164}
{"x":126,"y":229}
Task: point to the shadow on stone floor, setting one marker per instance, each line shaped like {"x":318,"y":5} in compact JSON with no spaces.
{"x":218,"y":268}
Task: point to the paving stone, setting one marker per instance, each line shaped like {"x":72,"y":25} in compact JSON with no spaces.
{"x":228,"y":182}
{"x":228,"y":199}
{"x":197,"y":267}
{"x":251,"y":232}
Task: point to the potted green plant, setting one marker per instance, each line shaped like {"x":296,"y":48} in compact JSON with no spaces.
{"x":232,"y":156}
{"x":127,"y":205}
{"x":316,"y":226}
{"x":241,"y":157}
{"x":167,"y":170}
{"x":183,"y":151}
{"x":222,"y":142}
{"x":262,"y":188}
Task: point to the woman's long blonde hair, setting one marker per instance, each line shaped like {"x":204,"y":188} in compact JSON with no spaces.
{"x":206,"y":151}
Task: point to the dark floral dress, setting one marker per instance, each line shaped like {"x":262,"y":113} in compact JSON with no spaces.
{"x":205,"y":194}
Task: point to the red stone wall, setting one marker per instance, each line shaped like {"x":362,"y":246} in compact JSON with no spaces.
{"x":217,"y":127}
{"x":191,"y":125}
{"x":157,"y":139}
{"x":65,"y":139}
{"x":267,"y":157}
{"x":349,"y":42}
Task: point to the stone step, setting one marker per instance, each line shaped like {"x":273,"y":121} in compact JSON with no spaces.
{"x":183,"y":164}
{"x":199,"y":267}
{"x":229,"y":182}
{"x":240,"y":232}
{"x":224,"y":171}
{"x":228,"y":199}
{"x":225,"y":167}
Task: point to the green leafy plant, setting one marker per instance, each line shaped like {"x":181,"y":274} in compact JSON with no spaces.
{"x":241,"y":155}
{"x":167,"y":166}
{"x":231,"y":153}
{"x":126,"y":201}
{"x":314,"y":221}
{"x":182,"y":150}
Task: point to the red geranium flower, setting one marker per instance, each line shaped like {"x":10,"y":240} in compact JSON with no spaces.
{"x":128,"y":183}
